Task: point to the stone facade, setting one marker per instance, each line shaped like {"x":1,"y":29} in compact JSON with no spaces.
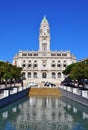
{"x":44,"y":64}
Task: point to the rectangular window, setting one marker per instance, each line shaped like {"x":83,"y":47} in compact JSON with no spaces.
{"x":35,"y":54}
{"x":58,"y":54}
{"x":24,"y":54}
{"x":29,"y":54}
{"x":53,"y":54}
{"x":64,"y":54}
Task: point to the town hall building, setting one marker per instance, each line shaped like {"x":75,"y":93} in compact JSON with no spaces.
{"x":44,"y":64}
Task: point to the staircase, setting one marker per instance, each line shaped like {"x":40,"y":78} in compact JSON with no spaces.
{"x":44,"y":92}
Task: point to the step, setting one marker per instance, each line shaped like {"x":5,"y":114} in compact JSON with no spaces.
{"x":44,"y":92}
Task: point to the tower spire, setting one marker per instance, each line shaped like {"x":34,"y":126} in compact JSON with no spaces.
{"x":44,"y":16}
{"x":44,"y":35}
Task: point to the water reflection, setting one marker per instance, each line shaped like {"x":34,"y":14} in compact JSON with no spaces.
{"x":44,"y":113}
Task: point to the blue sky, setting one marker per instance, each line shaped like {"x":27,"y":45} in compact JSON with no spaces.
{"x":20,"y":22}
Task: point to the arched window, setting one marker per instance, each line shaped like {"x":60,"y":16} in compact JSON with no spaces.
{"x":23,"y":75}
{"x":59,"y":74}
{"x":58,"y":65}
{"x":34,"y":75}
{"x":23,"y":65}
{"x":29,"y":74}
{"x":53,"y":65}
{"x":35,"y":61}
{"x":53,"y":61}
{"x":44,"y":75}
{"x":29,"y":65}
{"x":53,"y":75}
{"x":23,"y":60}
{"x":35,"y":65}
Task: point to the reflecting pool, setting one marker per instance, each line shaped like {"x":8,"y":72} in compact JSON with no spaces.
{"x":44,"y":113}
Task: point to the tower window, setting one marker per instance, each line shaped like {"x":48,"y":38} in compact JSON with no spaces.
{"x":48,"y":30}
{"x":40,"y":30}
{"x":44,"y":47}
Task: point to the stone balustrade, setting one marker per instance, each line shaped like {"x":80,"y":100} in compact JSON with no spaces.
{"x":75,"y":90}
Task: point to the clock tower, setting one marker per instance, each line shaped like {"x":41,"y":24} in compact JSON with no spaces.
{"x":44,"y":36}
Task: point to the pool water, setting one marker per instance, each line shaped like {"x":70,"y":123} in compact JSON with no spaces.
{"x":44,"y":113}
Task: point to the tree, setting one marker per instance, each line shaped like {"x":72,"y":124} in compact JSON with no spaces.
{"x":68,"y":69}
{"x":77,"y":71}
{"x":8,"y":72}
